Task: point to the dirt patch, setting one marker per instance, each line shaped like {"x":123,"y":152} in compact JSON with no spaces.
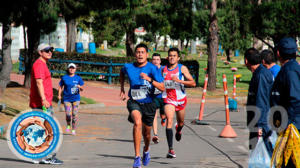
{"x":16,"y":100}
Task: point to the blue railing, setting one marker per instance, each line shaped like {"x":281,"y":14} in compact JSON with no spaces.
{"x":109,"y":74}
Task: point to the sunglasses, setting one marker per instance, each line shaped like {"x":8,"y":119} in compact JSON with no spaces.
{"x":48,"y":50}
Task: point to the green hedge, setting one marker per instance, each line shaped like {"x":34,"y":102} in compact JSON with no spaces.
{"x":193,"y":65}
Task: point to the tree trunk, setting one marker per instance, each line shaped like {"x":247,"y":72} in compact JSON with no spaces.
{"x":193,"y":47}
{"x":156,"y":42}
{"x":25,"y":37}
{"x":165,"y":43}
{"x":71,"y":34}
{"x":33,"y":34}
{"x":187,"y":43}
{"x":228,"y":54}
{"x":130,"y":42}
{"x":212,"y":47}
{"x":179,"y":45}
{"x":255,"y":42}
{"x":6,"y":58}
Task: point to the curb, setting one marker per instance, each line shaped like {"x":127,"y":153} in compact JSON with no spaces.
{"x":91,"y":106}
{"x":84,"y":106}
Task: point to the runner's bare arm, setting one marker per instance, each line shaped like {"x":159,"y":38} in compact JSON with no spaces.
{"x":122,"y":91}
{"x":189,"y":79}
{"x":159,"y":86}
{"x":60,"y":88}
{"x":40,"y":86}
{"x":80,"y":88}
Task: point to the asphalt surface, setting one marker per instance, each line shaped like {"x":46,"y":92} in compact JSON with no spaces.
{"x":104,"y":139}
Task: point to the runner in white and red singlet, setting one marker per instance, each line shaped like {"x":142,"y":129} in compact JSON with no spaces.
{"x":176,"y":76}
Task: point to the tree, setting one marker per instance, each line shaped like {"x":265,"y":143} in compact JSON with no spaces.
{"x":71,"y":10}
{"x":131,"y":14}
{"x":40,"y":17}
{"x":105,"y":28}
{"x":180,"y":15}
{"x":271,"y":20}
{"x":212,"y":47}
{"x":6,"y":58}
{"x":230,"y":35}
{"x":156,"y":23}
{"x":7,"y":12}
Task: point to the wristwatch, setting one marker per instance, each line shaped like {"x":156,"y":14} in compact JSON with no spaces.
{"x":151,"y":81}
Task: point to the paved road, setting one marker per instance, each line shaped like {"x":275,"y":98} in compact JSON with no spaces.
{"x":104,"y":139}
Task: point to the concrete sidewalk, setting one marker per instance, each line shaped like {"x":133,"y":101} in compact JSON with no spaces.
{"x":98,"y":91}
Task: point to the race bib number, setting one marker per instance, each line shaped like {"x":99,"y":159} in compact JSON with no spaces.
{"x":169,"y":84}
{"x":138,"y":94}
{"x":74,"y":89}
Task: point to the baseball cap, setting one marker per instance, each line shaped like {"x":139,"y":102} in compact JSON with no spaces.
{"x":71,"y":65}
{"x":44,"y":46}
{"x":287,"y":45}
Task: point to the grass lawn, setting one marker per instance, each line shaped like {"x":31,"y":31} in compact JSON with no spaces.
{"x":222,"y":68}
{"x":237,"y":62}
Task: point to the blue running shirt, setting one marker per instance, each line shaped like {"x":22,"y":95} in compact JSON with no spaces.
{"x":274,"y":70}
{"x":141,"y":90}
{"x":71,"y":91}
{"x":158,"y":93}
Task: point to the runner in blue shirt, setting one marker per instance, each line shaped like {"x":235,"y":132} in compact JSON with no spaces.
{"x":71,"y":85}
{"x":269,"y":61}
{"x":143,"y":78}
{"x":156,"y":60}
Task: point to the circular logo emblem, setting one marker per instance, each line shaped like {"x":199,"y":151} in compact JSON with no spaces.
{"x":34,"y":135}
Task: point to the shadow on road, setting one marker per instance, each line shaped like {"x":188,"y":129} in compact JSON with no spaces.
{"x":131,"y":158}
{"x":118,"y":140}
{"x":14,"y":160}
{"x":116,"y":156}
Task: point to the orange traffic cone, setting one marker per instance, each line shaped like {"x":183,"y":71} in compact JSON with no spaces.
{"x":228,"y":131}
{"x":200,"y":121}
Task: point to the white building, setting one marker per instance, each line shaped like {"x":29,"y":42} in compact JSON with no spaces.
{"x":57,"y":38}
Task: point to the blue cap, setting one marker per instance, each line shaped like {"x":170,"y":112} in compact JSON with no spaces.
{"x":287,"y":45}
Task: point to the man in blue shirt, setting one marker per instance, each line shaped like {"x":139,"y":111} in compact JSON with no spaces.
{"x":143,"y":78}
{"x":286,"y":88}
{"x":258,"y":102}
{"x":269,"y":61}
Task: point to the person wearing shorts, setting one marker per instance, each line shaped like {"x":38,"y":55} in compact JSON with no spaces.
{"x":156,"y":60}
{"x":71,"y":84}
{"x":41,"y":93}
{"x":176,"y":76}
{"x":143,"y":77}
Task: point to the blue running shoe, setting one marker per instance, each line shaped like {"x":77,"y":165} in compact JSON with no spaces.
{"x":137,"y":162}
{"x":146,"y":158}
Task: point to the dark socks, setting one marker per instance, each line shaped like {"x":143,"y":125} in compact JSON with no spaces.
{"x":179,"y":128}
{"x":169,"y":133}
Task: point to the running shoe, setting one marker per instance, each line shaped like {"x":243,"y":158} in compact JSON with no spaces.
{"x":52,"y":160}
{"x":137,"y":162}
{"x":155,"y":139}
{"x":178,"y":134}
{"x":73,"y":132}
{"x":163,"y":122}
{"x":146,"y":158}
{"x":171,"y":154}
{"x":68,"y":129}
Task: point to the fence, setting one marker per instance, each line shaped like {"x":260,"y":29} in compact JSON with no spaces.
{"x":192,"y":65}
{"x":109,"y":74}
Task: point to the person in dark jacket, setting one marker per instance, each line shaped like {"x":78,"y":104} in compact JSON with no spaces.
{"x":286,"y":88}
{"x":258,"y":102}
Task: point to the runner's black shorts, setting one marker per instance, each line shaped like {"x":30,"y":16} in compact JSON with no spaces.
{"x":160,"y":105}
{"x":147,"y":111}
